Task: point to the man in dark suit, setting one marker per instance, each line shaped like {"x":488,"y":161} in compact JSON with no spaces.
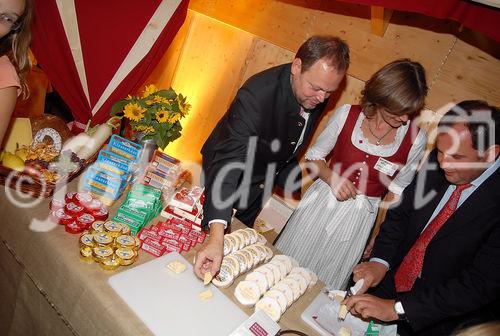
{"x":254,"y":146}
{"x":435,"y":265}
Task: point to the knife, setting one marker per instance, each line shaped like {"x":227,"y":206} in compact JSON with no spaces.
{"x":350,"y":292}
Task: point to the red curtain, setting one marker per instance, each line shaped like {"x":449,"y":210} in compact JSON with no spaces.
{"x":108,"y":30}
{"x":471,"y":14}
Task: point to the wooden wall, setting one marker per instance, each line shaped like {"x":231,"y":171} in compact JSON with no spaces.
{"x":223,"y":42}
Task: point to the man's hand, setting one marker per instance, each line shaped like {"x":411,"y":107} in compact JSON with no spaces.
{"x":209,"y":257}
{"x":342,"y":188}
{"x":368,"y":306}
{"x":373,"y":272}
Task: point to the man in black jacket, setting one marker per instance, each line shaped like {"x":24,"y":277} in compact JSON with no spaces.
{"x":254,"y":146}
{"x":436,"y":261}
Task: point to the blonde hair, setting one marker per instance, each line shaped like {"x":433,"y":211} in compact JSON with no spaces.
{"x":399,"y":86}
{"x":16,"y":45}
{"x":485,"y":329}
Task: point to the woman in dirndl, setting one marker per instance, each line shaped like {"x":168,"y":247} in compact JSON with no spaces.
{"x":375,"y":148}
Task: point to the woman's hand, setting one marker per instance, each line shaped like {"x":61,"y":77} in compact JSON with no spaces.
{"x":342,"y":187}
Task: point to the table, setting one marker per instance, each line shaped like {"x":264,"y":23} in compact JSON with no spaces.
{"x":47,"y":290}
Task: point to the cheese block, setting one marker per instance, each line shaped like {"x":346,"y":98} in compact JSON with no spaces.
{"x":18,"y":134}
{"x":260,"y":279}
{"x":176,"y":266}
{"x":270,"y":306}
{"x":279,"y":297}
{"x":206,"y":295}
{"x":247,"y":293}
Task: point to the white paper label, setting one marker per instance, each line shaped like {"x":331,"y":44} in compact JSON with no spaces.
{"x":386,"y":167}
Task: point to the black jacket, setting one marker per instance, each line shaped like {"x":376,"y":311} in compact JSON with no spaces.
{"x":264,"y":108}
{"x":460,"y":279}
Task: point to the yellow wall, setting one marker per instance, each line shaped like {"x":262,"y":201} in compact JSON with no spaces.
{"x":224,"y":42}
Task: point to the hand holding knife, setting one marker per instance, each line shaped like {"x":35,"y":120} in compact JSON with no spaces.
{"x":350,"y":292}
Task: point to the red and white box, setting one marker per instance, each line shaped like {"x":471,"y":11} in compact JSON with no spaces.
{"x":153,"y":247}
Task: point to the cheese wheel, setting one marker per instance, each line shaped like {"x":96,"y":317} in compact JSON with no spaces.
{"x":286,"y":290}
{"x":260,"y":279}
{"x":235,"y":244}
{"x":305,"y":273}
{"x":245,"y":235}
{"x":242,"y":262}
{"x":282,"y":267}
{"x":253,"y":235}
{"x":268,"y":273}
{"x":233,"y":263}
{"x":228,"y":246}
{"x":270,"y":306}
{"x":286,"y":260}
{"x":269,"y":252}
{"x":261,"y":239}
{"x":279,"y":297}
{"x":300,"y":280}
{"x":249,"y":259}
{"x":276,"y":271}
{"x":254,"y":253}
{"x":247,"y":293}
{"x":294,"y":287}
{"x":225,"y":276}
{"x":262,"y":251}
{"x":240,"y":238}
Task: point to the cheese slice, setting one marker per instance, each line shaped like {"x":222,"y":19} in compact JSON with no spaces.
{"x":225,"y":276}
{"x":344,"y":331}
{"x":207,"y":278}
{"x":206,"y":295}
{"x":260,"y":279}
{"x":300,"y":281}
{"x":240,"y":238}
{"x":268,"y":273}
{"x":279,"y":297}
{"x":176,"y":266}
{"x":18,"y":134}
{"x":342,"y":312}
{"x":285,"y":289}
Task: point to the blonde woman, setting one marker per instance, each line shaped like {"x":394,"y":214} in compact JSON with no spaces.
{"x":15,"y":38}
{"x":374,"y":149}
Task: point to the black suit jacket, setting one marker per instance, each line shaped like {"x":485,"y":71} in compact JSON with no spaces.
{"x":460,"y":279}
{"x":265,"y":110}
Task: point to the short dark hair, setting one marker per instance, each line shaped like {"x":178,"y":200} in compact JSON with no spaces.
{"x":483,"y":128}
{"x":331,"y":48}
{"x":399,"y":86}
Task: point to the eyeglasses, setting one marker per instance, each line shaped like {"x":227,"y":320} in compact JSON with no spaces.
{"x":10,"y":21}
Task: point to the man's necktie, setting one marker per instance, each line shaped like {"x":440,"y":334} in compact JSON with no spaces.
{"x":411,"y":266}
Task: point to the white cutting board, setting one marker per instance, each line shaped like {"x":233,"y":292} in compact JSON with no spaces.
{"x":168,"y":303}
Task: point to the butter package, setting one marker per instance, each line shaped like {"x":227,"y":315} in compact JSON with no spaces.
{"x":165,"y":163}
{"x":124,"y":147}
{"x":104,"y":183}
{"x":113,"y":162}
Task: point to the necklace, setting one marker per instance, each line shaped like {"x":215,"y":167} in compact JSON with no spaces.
{"x":379,"y":139}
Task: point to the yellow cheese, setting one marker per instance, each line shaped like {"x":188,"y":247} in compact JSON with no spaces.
{"x":206,"y":295}
{"x":342,"y":312}
{"x":176,"y":266}
{"x":18,"y":134}
{"x":207,"y":278}
{"x":344,"y":331}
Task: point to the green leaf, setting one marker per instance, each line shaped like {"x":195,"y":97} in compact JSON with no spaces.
{"x":169,"y":94}
{"x":118,"y":107}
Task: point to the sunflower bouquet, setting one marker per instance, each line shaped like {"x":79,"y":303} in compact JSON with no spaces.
{"x":155,"y":114}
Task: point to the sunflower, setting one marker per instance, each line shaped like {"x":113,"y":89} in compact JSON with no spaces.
{"x":162,"y":116}
{"x":149,"y":90}
{"x":145,"y":129}
{"x":134,"y":111}
{"x":174,"y":117}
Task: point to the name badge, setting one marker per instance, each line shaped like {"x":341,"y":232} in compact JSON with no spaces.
{"x":386,"y":167}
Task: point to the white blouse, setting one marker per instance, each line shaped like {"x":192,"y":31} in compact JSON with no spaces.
{"x":328,"y":138}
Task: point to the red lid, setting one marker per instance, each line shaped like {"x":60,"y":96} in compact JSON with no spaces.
{"x":73,"y":227}
{"x":60,"y":217}
{"x":85,"y":220}
{"x":73,"y":209}
{"x":93,"y":205}
{"x":83,"y":198}
{"x":56,"y":204}
{"x":69,"y":196}
{"x":101,"y":214}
